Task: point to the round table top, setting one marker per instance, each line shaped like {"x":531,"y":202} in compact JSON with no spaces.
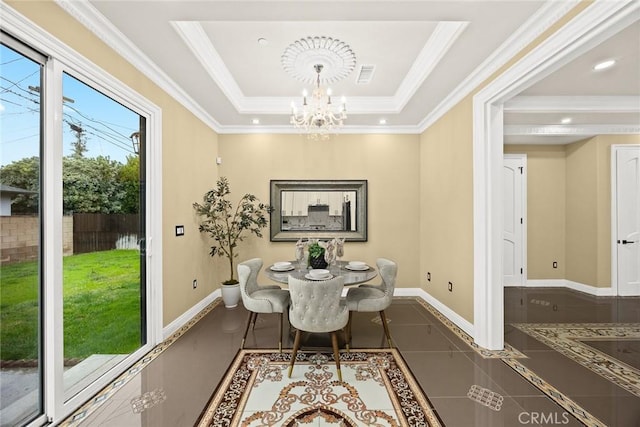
{"x":351,"y":277}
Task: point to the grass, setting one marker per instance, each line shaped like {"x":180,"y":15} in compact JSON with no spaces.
{"x":101,"y":308}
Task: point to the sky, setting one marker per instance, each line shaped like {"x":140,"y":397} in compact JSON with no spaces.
{"x":107,"y":125}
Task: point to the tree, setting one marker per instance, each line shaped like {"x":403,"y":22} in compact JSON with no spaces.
{"x":91,"y":185}
{"x":226,"y":224}
{"x":94,"y":184}
{"x":129,"y":178}
{"x":25,"y":174}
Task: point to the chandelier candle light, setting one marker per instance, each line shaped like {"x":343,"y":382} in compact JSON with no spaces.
{"x":317,"y":117}
{"x":305,"y":60}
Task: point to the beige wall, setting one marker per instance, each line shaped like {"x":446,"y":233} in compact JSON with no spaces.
{"x":546,"y":209}
{"x":188,"y":147}
{"x":569,"y":209}
{"x":446,"y":210}
{"x":390,"y":164}
{"x":581,"y":219}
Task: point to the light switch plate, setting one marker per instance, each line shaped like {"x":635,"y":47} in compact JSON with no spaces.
{"x":179,"y":230}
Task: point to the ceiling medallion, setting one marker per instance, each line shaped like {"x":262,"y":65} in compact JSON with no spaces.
{"x":301,"y":56}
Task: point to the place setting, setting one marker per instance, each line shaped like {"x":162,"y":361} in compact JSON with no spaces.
{"x":282,"y":266}
{"x":318,"y":274}
{"x":357,"y":266}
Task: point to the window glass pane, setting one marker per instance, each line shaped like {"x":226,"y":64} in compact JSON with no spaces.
{"x":102,"y":281}
{"x":20,"y":281}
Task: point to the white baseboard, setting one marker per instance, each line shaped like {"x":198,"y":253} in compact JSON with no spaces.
{"x":563,"y":283}
{"x":179,"y":322}
{"x":454,"y":317}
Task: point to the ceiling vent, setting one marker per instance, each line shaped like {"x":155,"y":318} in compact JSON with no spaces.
{"x":365,"y":74}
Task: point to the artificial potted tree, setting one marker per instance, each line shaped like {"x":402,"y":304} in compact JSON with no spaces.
{"x":228,"y":226}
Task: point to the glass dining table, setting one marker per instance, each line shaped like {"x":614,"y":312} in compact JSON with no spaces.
{"x":339,"y":268}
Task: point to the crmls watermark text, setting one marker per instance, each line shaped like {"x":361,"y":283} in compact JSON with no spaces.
{"x":544,"y":418}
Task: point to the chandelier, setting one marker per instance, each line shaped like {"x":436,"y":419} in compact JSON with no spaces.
{"x":304,"y":60}
{"x":318,"y":117}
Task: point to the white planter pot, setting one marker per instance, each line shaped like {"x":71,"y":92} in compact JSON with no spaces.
{"x":230,"y":295}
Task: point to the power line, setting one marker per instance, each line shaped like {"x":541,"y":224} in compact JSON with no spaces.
{"x":17,"y":84}
{"x":20,"y":139}
{"x":108,"y":137}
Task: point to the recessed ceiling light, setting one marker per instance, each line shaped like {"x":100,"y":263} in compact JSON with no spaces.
{"x":566,"y":120}
{"x":262,"y":41}
{"x":383,"y":121}
{"x":255,"y":121}
{"x":604,"y":65}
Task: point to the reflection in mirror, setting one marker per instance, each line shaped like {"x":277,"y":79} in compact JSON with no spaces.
{"x":319,"y":209}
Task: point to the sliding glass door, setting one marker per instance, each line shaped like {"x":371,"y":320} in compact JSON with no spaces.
{"x":73,"y":278}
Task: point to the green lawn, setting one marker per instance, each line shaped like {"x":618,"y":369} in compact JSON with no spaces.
{"x":101,"y":306}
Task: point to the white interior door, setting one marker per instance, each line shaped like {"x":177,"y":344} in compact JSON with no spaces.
{"x":513,"y":252}
{"x":627,"y":219}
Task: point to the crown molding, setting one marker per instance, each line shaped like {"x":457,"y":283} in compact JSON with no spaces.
{"x":538,"y":23}
{"x":440,"y":41}
{"x":570,"y":130}
{"x":94,"y":21}
{"x":580,"y":104}
{"x":346,"y":130}
{"x":197,"y":41}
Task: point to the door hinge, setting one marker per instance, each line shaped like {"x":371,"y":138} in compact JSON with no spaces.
{"x":521,"y":169}
{"x":521,"y":271}
{"x":521,"y":222}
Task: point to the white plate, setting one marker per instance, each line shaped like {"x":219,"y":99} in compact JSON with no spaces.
{"x":351,"y":267}
{"x":310,"y":277}
{"x":289,"y":268}
{"x":282,"y":264}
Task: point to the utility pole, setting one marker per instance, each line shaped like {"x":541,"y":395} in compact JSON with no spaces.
{"x":80,"y":144}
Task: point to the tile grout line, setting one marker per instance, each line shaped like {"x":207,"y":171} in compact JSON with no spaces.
{"x":550,"y":391}
{"x":567,"y":339}
{"x":76,"y":417}
{"x":545,"y":387}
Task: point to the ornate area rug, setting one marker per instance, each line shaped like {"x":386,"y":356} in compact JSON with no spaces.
{"x":377,"y":389}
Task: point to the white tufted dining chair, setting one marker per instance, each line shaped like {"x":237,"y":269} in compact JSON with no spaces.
{"x":372,"y":298}
{"x":316,"y":306}
{"x":260,"y":298}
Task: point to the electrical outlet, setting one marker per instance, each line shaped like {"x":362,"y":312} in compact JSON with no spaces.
{"x":450,"y":287}
{"x":555,"y":264}
{"x":195,"y":283}
{"x":428,"y":276}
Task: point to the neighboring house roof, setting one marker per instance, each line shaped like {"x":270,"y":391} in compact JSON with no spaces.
{"x":9,"y":189}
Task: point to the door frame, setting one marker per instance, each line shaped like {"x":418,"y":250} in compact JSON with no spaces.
{"x":587,"y":29}
{"x":615,"y":148}
{"x":523,"y":195}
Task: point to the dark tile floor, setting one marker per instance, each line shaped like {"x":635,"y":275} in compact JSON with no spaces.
{"x":181,"y":379}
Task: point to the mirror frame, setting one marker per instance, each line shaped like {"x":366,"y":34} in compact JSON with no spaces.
{"x":277,"y":186}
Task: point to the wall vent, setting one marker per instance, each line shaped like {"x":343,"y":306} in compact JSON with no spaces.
{"x":365,"y":74}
